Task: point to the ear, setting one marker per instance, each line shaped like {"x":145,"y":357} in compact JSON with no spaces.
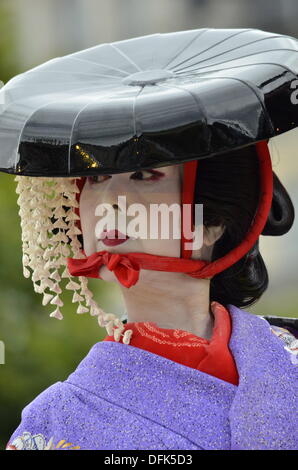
{"x":212,"y":234}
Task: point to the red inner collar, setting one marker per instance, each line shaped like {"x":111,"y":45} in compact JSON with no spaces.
{"x":212,"y":357}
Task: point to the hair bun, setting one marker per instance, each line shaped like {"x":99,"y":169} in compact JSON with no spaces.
{"x":282,"y":213}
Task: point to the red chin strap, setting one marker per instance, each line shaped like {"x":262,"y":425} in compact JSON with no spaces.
{"x":126,"y":266}
{"x":187,"y":197}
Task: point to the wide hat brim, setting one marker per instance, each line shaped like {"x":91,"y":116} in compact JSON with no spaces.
{"x":147,"y":102}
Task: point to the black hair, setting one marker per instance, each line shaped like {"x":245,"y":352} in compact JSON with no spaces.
{"x":228,"y":186}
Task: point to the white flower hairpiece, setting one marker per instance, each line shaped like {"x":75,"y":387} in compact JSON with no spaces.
{"x":42,"y":200}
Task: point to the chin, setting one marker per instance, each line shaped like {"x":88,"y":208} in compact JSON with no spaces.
{"x":107,"y":275}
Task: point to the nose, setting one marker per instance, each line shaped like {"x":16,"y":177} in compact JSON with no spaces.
{"x":116,"y":192}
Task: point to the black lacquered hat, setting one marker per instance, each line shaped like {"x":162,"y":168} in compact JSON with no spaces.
{"x":149,"y":101}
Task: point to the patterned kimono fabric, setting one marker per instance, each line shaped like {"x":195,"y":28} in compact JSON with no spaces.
{"x":236,"y":391}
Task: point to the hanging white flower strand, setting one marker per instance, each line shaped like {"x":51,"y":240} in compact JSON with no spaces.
{"x":40,"y":200}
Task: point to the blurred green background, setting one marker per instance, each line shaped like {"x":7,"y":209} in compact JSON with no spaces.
{"x":40,"y":350}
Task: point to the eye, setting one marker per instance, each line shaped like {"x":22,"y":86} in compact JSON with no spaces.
{"x":97,"y":178}
{"x":147,"y":175}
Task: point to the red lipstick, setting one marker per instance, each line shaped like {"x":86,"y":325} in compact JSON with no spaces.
{"x":111,"y":238}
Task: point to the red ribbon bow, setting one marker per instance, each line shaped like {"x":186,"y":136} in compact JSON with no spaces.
{"x":126,"y":270}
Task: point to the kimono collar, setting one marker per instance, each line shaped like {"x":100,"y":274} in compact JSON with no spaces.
{"x":211,"y":356}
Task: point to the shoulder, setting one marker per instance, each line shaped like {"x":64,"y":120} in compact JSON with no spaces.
{"x":290,"y":342}
{"x":38,"y":421}
{"x":271,"y":337}
{"x":43,"y":403}
{"x":286,"y":330}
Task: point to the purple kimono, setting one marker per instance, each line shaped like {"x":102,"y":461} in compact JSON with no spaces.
{"x":122,"y":397}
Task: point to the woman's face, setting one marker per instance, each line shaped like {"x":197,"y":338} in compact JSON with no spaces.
{"x":146,"y":187}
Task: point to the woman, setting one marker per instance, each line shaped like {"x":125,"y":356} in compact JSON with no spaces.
{"x":182,"y":383}
{"x":190,"y":369}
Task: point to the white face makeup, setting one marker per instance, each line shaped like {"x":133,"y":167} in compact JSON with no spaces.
{"x":146,"y":187}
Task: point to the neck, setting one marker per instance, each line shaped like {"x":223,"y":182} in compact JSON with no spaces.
{"x":172,"y":301}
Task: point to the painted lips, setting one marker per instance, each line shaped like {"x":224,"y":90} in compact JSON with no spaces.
{"x":111,"y":238}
